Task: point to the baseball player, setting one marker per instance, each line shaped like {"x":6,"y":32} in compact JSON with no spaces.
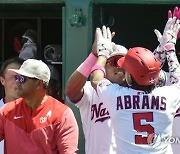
{"x":91,"y":106}
{"x":99,"y":136}
{"x":141,"y":115}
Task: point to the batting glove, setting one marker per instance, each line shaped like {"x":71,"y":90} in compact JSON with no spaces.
{"x":118,"y":50}
{"x":170,"y":32}
{"x":175,"y":13}
{"x":104,"y":46}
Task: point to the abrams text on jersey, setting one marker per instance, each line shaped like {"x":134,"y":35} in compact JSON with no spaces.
{"x":141,"y":102}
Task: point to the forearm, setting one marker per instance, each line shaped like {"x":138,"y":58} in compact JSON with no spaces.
{"x":167,"y":44}
{"x":160,"y":55}
{"x":74,"y":86}
{"x":174,"y":66}
{"x":98,"y":74}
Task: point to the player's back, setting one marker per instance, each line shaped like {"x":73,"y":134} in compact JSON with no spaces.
{"x":142,"y":122}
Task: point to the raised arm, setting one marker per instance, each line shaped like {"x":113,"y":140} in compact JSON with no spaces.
{"x":75,"y":83}
{"x":159,"y":51}
{"x":74,"y":86}
{"x":164,"y":39}
{"x":168,"y":42}
{"x":104,"y":49}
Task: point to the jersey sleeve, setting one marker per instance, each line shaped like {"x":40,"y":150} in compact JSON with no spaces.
{"x":102,"y":86}
{"x":67,"y":133}
{"x":88,"y":91}
{"x":85,"y":100}
{"x":106,"y":91}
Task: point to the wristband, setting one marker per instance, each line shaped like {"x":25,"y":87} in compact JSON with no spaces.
{"x":169,"y":46}
{"x":104,"y":53}
{"x":98,"y":67}
{"x":85,"y":67}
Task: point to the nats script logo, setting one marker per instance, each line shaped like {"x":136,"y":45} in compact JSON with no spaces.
{"x":99,"y":113}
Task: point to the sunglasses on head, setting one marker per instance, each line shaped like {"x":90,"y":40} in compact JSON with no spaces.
{"x":113,"y":60}
{"x":22,"y":79}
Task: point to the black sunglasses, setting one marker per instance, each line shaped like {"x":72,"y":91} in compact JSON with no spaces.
{"x":22,"y":79}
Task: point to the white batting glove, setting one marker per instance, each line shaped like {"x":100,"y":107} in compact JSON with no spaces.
{"x":175,"y":13}
{"x":118,"y":50}
{"x":104,"y":47}
{"x":170,"y":32}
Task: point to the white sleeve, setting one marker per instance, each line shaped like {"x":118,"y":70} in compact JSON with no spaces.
{"x":102,"y":88}
{"x":107,"y":92}
{"x":83,"y":102}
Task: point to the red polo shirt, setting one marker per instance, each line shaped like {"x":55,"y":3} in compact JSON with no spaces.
{"x":50,"y":128}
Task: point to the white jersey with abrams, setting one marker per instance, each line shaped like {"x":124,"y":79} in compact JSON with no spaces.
{"x":142,"y":122}
{"x":96,"y":123}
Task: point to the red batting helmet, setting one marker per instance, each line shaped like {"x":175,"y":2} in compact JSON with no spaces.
{"x":142,"y":65}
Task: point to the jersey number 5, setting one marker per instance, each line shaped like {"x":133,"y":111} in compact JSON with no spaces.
{"x":137,"y":117}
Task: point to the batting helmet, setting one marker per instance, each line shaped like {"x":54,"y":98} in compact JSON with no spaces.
{"x":142,"y":65}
